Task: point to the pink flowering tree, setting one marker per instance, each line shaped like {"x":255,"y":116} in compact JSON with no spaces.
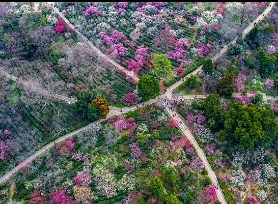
{"x":190,"y":117}
{"x":270,"y":49}
{"x":82,"y":178}
{"x":121,"y":7}
{"x":137,"y":63}
{"x":269,"y":83}
{"x":252,"y":200}
{"x":203,"y":50}
{"x":106,"y":38}
{"x":239,"y":80}
{"x":244,"y":99}
{"x":179,"y":70}
{"x":275,"y":107}
{"x":117,"y":50}
{"x":60,"y":196}
{"x":130,"y":98}
{"x":122,"y":123}
{"x":5,"y":144}
{"x":135,"y":150}
{"x":92,"y":11}
{"x":210,"y":192}
{"x":179,"y":49}
{"x":59,"y":28}
{"x":200,"y":118}
{"x":117,"y":35}
{"x":70,"y":144}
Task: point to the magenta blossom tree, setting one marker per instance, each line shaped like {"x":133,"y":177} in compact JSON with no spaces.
{"x":239,"y":80}
{"x":275,"y":107}
{"x":82,"y":178}
{"x":137,"y":63}
{"x":269,"y":83}
{"x":60,"y":196}
{"x":211,"y":193}
{"x":70,"y":144}
{"x":117,"y":50}
{"x":122,"y":123}
{"x":135,"y":150}
{"x":203,"y":50}
{"x":179,"y":70}
{"x":92,"y":11}
{"x":130,"y":98}
{"x":244,"y":99}
{"x":190,"y":117}
{"x":60,"y":28}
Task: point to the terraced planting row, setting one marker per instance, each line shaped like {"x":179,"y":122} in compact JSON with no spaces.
{"x":145,"y":161}
{"x":84,"y":25}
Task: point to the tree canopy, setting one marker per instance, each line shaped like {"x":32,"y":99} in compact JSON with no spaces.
{"x":161,"y":66}
{"x":226,"y":85}
{"x":148,"y":87}
{"x":213,"y":112}
{"x":193,"y":81}
{"x":208,"y":66}
{"x":248,"y":127}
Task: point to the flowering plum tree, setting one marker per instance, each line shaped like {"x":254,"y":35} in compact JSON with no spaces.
{"x":92,"y":11}
{"x":82,"y":178}
{"x":122,"y":123}
{"x":135,"y":150}
{"x":203,"y":50}
{"x":70,"y":144}
{"x":211,"y":193}
{"x":137,"y":63}
{"x":179,"y":70}
{"x":130,"y":98}
{"x":36,"y":197}
{"x":117,"y":50}
{"x":238,"y":81}
{"x":59,"y":28}
{"x":269,"y":83}
{"x":60,"y":196}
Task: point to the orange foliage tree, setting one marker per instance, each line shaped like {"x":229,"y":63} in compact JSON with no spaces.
{"x":102,"y":106}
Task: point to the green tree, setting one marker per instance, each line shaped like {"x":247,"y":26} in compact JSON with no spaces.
{"x":208,"y":66}
{"x":158,"y":189}
{"x":148,"y":87}
{"x":267,"y":63}
{"x":93,"y":112}
{"x":193,"y":81}
{"x":226,"y":86}
{"x":248,"y":127}
{"x":213,"y":111}
{"x":161,"y":66}
{"x":83,"y":99}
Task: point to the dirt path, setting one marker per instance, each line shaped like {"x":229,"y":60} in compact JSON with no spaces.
{"x":129,"y":74}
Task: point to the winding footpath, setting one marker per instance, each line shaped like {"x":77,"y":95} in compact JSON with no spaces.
{"x":169,"y":91}
{"x":129,"y":74}
{"x":163,"y":99}
{"x":194,"y":143}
